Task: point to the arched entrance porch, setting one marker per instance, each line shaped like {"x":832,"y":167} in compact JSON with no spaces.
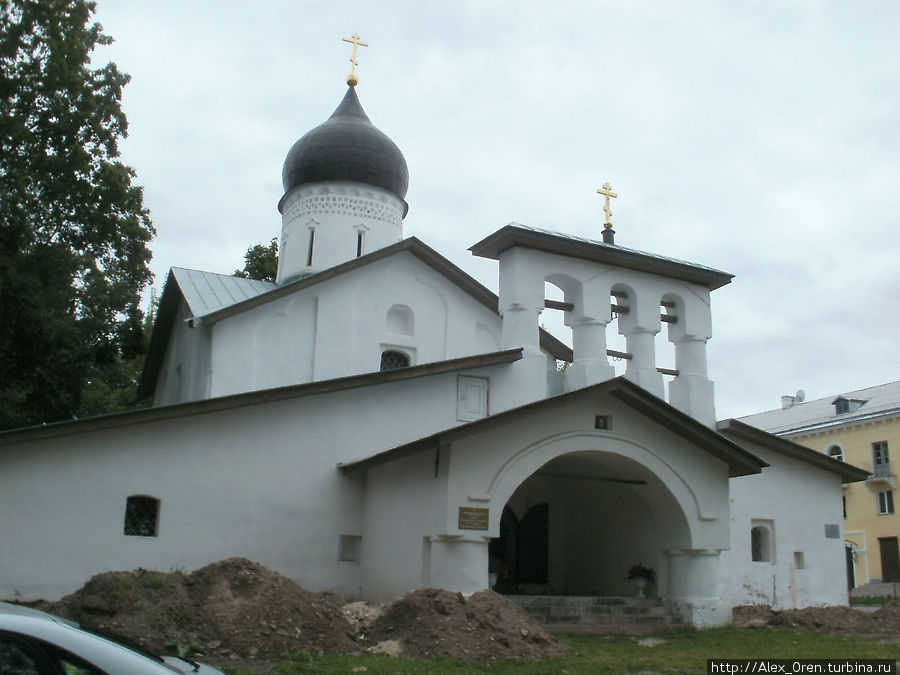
{"x":578,"y":523}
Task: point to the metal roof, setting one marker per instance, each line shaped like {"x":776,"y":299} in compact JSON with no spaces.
{"x":347,"y":147}
{"x":883,"y":399}
{"x":206,"y":292}
{"x":745,"y":432}
{"x":516,"y":234}
{"x":740,"y":461}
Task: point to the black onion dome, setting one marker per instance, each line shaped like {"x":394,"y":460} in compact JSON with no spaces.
{"x":347,"y":147}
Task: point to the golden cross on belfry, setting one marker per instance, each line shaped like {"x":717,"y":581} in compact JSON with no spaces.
{"x":353,"y":78}
{"x":607,"y":192}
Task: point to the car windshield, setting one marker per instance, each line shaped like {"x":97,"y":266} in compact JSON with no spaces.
{"x":127,"y":643}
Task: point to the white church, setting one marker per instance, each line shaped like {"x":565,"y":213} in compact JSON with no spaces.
{"x":377,"y":421}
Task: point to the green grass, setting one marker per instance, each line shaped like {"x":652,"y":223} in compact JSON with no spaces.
{"x":681,"y":652}
{"x":870,"y":601}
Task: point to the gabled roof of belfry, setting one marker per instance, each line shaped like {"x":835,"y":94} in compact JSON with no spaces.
{"x":516,"y":234}
{"x":740,"y":462}
{"x":212,"y":297}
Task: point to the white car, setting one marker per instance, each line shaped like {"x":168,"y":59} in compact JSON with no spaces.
{"x":36,"y":643}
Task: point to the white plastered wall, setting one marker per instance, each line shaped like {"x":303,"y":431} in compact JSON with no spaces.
{"x":259,"y":481}
{"x":796,"y":501}
{"x":185,"y":371}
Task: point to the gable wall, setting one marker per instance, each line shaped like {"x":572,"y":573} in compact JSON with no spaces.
{"x":184,"y":375}
{"x":413,"y":536}
{"x":339,"y":328}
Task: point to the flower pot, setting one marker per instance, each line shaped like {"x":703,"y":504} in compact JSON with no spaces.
{"x":640,"y":583}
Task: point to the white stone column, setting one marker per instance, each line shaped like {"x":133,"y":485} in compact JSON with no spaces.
{"x":520,"y":303}
{"x":693,"y":587}
{"x":692,"y":392}
{"x":591,"y":364}
{"x":640,"y":342}
{"x":458,"y":564}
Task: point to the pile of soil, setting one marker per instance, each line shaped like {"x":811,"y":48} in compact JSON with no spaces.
{"x":484,"y":627}
{"x":238,"y":611}
{"x":822,"y":619}
{"x":231,"y":610}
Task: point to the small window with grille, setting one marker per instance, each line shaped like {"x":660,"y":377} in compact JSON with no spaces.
{"x":391,"y":360}
{"x":142,"y":516}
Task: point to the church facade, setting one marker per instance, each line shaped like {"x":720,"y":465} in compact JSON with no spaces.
{"x":377,"y":421}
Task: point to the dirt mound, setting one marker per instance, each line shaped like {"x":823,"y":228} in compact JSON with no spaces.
{"x":484,"y":627}
{"x":235,"y":609}
{"x":888,"y":615}
{"x":821,"y":619}
{"x":239,"y":611}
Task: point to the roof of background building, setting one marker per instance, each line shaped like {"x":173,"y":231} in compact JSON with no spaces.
{"x":880,"y":400}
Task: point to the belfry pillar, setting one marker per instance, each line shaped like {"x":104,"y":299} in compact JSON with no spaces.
{"x":520,"y":303}
{"x":588,"y":322}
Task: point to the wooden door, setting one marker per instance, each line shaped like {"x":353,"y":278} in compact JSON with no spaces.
{"x":890,"y":559}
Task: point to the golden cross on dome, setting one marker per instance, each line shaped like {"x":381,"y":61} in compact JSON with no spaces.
{"x":353,"y":78}
{"x":607,"y":192}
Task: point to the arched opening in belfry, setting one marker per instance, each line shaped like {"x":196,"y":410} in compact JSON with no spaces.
{"x":620,"y":300}
{"x":578,"y":524}
{"x":669,"y":310}
{"x":552,"y":318}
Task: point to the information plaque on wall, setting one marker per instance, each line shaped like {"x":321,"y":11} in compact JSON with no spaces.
{"x":472,"y":518}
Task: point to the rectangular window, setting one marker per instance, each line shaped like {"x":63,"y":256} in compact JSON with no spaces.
{"x":880,"y":453}
{"x":141,"y":516}
{"x":798,"y":560}
{"x":881,"y":459}
{"x":844,"y":500}
{"x":885,"y":502}
{"x":312,"y":241}
{"x":359,"y":243}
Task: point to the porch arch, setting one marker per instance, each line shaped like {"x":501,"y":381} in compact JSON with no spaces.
{"x":678,"y":491}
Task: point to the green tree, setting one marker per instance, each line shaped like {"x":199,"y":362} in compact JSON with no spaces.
{"x":260,"y":262}
{"x":74,"y":232}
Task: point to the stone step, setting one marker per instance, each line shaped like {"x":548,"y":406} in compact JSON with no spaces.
{"x":579,"y":614}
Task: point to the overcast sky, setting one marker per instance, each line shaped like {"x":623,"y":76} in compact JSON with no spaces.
{"x":760,"y":138}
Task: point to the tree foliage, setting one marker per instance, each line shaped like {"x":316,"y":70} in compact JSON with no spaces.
{"x":74,"y":232}
{"x":260,"y":262}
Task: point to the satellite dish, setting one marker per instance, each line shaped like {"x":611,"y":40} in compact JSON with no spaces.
{"x":801,"y":396}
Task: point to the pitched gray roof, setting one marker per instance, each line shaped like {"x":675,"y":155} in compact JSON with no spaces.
{"x":740,"y":431}
{"x":740,"y":461}
{"x":259,"y":396}
{"x":880,"y":400}
{"x":206,"y":292}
